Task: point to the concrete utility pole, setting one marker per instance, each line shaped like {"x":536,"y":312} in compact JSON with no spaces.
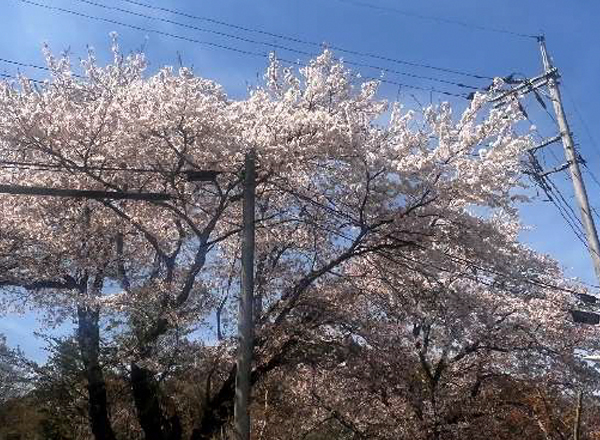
{"x":246,"y":305}
{"x":572,"y":161}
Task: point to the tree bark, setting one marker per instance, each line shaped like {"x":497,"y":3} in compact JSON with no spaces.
{"x":219,"y":409}
{"x":88,"y":336}
{"x":147,"y":404}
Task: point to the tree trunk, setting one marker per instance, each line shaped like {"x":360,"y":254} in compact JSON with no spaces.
{"x":147,"y":404}
{"x":145,"y":396}
{"x":219,"y":409}
{"x":88,"y":337}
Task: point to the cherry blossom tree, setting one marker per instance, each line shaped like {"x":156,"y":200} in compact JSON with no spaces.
{"x":13,"y":374}
{"x":387,"y":244}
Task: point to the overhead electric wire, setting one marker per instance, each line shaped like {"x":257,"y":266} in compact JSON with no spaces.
{"x":276,"y":46}
{"x":597,"y":182}
{"x":594,"y":178}
{"x":381,"y":80}
{"x":240,"y":51}
{"x":60,"y":168}
{"x":40,"y":166}
{"x":541,"y":137}
{"x":461,"y":260}
{"x":559,"y":201}
{"x":586,"y":127}
{"x":569,"y":221}
{"x":217,"y":45}
{"x":550,"y":188}
{"x":139,"y":28}
{"x":475,"y":278}
{"x":431,"y":89}
{"x":438,"y":19}
{"x":565,"y":203}
{"x":478,"y":266}
{"x":586,"y":168}
{"x":307,"y":42}
{"x":555,"y":122}
{"x":591,"y":138}
{"x":22,"y":64}
{"x":6,"y":75}
{"x":576,"y":228}
{"x":33,"y":66}
{"x":551,"y":116}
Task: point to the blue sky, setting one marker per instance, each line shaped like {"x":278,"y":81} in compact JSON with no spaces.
{"x":383,"y":27}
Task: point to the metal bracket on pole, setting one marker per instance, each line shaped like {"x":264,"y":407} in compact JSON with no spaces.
{"x":545,"y":143}
{"x":528,"y":86}
{"x":557,"y":169}
{"x":584,"y":317}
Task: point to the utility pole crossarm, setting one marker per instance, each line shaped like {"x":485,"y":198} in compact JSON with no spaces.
{"x":556,"y":170}
{"x":529,"y":85}
{"x":545,"y":143}
{"x":81,"y":193}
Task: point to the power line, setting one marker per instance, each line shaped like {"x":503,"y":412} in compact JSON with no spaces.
{"x":33,"y":66}
{"x":594,"y":178}
{"x":586,"y":168}
{"x":477,"y":266}
{"x":11,"y":189}
{"x":196,"y":28}
{"x":541,"y":137}
{"x":6,"y":75}
{"x":595,"y":211}
{"x":565,"y":208}
{"x":586,"y":127}
{"x":540,"y":101}
{"x":381,"y":80}
{"x":553,"y":119}
{"x":21,"y":64}
{"x":396,"y":83}
{"x":437,"y":19}
{"x":570,"y":218}
{"x":139,"y":28}
{"x":307,"y":42}
{"x":193,"y":40}
{"x":274,"y":45}
{"x":559,"y":201}
{"x":576,"y":228}
{"x":563,"y":200}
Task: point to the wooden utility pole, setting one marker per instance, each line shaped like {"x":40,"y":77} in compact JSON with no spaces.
{"x":246,"y":305}
{"x":572,"y":160}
